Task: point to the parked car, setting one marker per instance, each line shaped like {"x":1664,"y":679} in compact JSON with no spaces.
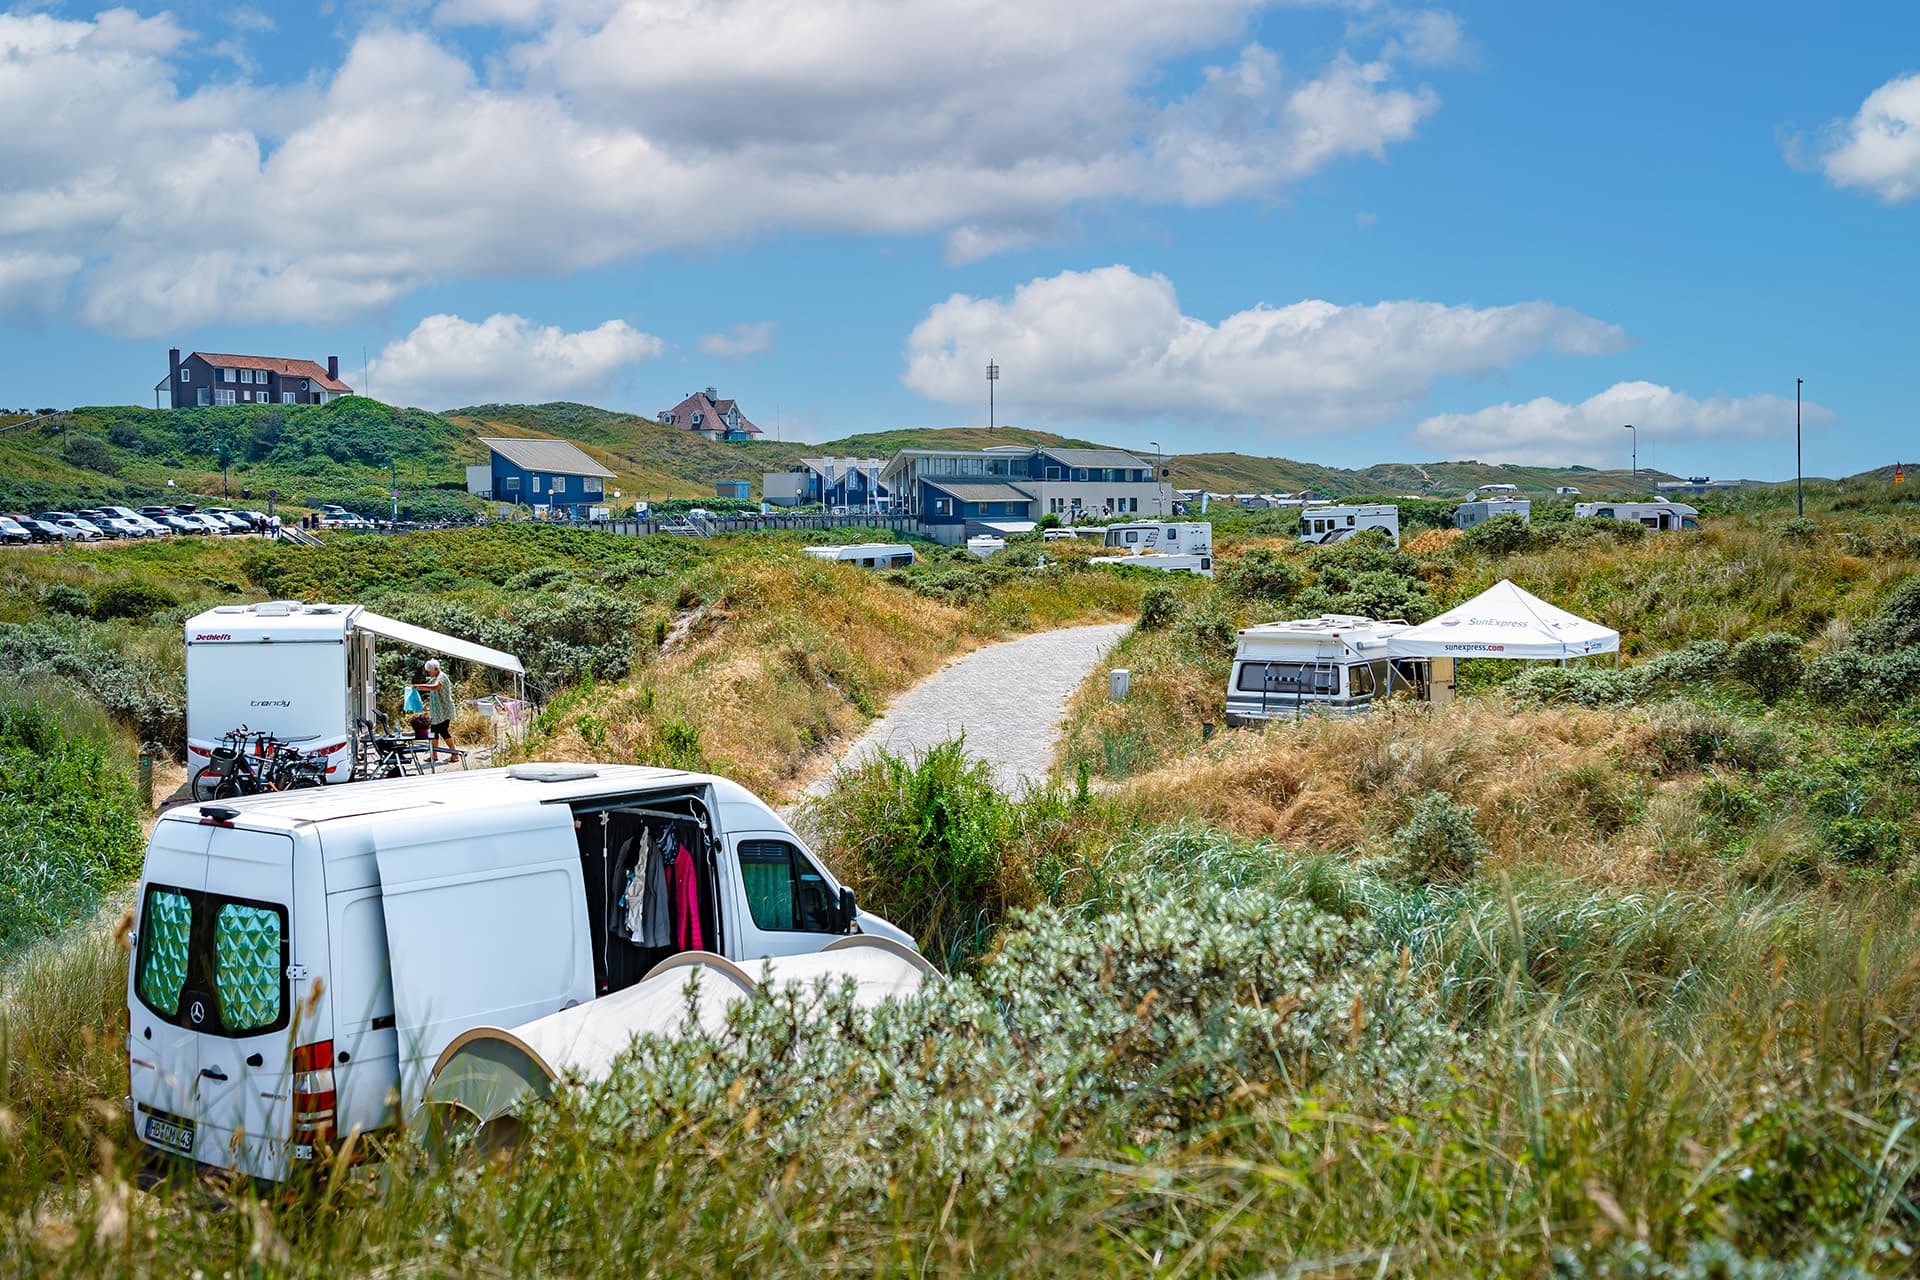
{"x":44,"y":530}
{"x":86,"y":530}
{"x":117,"y":527}
{"x":232,"y":519}
{"x":202,"y":520}
{"x":12,"y":534}
{"x":405,"y":914}
{"x":128,"y":513}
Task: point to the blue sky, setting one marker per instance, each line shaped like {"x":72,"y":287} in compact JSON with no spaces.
{"x":1344,"y":232}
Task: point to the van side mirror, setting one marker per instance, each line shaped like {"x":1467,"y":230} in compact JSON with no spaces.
{"x":849,"y":911}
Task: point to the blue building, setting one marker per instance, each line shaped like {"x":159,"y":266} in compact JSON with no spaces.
{"x":831,"y":482}
{"x":949,"y":488}
{"x":547,"y":473}
{"x":733,"y":488}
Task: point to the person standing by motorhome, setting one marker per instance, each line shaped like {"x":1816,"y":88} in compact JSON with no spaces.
{"x":437,"y":689}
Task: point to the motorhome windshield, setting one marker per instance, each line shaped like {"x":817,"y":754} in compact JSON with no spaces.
{"x":213,"y":964}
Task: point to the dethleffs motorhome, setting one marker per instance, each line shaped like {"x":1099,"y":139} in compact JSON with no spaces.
{"x":1335,"y":664}
{"x":1167,"y":545}
{"x":1325,"y":525}
{"x":302,"y":672}
{"x":301,"y":959}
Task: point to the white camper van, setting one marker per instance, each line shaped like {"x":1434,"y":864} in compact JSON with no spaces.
{"x":1326,"y":525}
{"x":301,"y":959}
{"x":868,"y":555}
{"x":1335,"y":664}
{"x":302,"y":672}
{"x":1167,"y":545}
{"x":1470,"y":513}
{"x":1663,"y":516}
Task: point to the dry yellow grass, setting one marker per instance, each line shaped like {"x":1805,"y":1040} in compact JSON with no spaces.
{"x":1590,"y":791}
{"x":793,"y":654}
{"x":1428,"y":541}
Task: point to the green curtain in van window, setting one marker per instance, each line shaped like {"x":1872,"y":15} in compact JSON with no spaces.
{"x":246,"y":966}
{"x":768,"y":877}
{"x":169,"y":921}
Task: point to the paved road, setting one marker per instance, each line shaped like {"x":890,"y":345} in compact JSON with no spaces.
{"x":1008,"y":698}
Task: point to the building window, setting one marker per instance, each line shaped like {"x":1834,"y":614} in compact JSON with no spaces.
{"x":203,"y":395}
{"x":537,"y":482}
{"x":510,"y":484}
{"x":667,"y":419}
{"x":186,"y":374}
{"x":222,"y":396}
{"x":940,"y":506}
{"x":697,"y":415}
{"x":1133,"y":504}
{"x":226,"y":375}
{"x":286,"y":397}
{"x":1053,"y":473}
{"x":593,"y":485}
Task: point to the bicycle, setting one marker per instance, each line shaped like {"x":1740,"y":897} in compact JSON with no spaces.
{"x":249,"y":762}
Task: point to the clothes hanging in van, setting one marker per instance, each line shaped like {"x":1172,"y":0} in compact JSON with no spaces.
{"x":686,"y":902}
{"x":633,"y":900}
{"x":656,"y":927}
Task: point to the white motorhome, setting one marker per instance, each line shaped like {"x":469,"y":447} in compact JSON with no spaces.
{"x":1663,"y":516}
{"x":302,"y":672}
{"x":301,"y":959}
{"x":868,"y":555}
{"x":1325,"y":525}
{"x":1468,"y":514}
{"x":1335,"y":664}
{"x":985,"y":545}
{"x":1167,"y":545}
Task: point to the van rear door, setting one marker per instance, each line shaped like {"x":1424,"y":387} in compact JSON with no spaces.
{"x":211,"y":997}
{"x":486,"y":926}
{"x":163,"y":1056}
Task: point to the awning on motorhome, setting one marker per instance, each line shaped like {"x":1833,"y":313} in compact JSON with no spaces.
{"x":1505,"y":622}
{"x":487,"y":1073}
{"x":451,"y":646}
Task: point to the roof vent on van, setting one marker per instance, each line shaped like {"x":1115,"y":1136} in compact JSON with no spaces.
{"x":275,"y":609}
{"x":552,"y":772}
{"x":229,"y":608}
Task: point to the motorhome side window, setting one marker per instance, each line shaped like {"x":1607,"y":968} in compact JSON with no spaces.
{"x":1289,"y":677}
{"x":213,"y":964}
{"x":785,"y":892}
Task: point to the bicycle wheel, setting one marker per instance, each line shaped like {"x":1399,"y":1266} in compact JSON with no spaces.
{"x":230,"y":788}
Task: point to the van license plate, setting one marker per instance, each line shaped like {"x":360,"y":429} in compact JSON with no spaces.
{"x":174,"y":1135}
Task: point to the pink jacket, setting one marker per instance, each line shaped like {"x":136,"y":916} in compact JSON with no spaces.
{"x":685,"y":893}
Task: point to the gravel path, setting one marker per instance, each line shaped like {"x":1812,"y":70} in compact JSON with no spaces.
{"x":1008,"y":698}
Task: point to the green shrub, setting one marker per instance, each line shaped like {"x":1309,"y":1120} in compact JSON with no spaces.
{"x":537,"y":579}
{"x":1208,"y":635}
{"x":1771,"y":663}
{"x":74,"y":601}
{"x":1159,"y":607}
{"x":68,"y":808}
{"x":1261,"y":576}
{"x":131,"y":686}
{"x":1500,"y":536}
{"x":91,"y":453}
{"x":139,"y":600}
{"x":1438,"y":843}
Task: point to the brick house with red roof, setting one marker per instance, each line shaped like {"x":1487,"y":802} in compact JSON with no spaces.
{"x":706,"y":414}
{"x":208,"y":377}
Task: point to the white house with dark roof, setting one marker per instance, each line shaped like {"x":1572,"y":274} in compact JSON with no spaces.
{"x":705,"y":413}
{"x":546,"y":473}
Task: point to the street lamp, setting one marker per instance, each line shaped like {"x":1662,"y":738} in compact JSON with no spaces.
{"x":1799,"y":500}
{"x":1636,"y":453}
{"x":993,"y":376}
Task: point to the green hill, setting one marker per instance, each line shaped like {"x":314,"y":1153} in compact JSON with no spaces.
{"x":352,"y":450}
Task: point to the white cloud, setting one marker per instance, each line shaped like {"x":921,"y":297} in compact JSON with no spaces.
{"x":741,"y":341}
{"x":447,"y":361}
{"x":616,"y":128}
{"x":1548,"y":431}
{"x":1879,"y":149}
{"x":1111,"y":343}
{"x":34,"y":283}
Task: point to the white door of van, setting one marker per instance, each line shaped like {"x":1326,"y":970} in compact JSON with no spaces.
{"x":781,"y":901}
{"x":486,"y":926}
{"x":210,"y":999}
{"x":163,"y":1054}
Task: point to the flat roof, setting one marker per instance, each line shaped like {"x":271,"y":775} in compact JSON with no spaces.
{"x":478,"y":788}
{"x":975,"y":491}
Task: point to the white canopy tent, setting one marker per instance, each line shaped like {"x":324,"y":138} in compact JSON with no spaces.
{"x":1505,"y":622}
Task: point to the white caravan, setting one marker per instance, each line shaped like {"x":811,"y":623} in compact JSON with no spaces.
{"x":868,"y":555}
{"x":1471,"y":513}
{"x":302,"y":672}
{"x":1335,"y":664}
{"x":301,"y":959}
{"x":1166,"y":545}
{"x":1664,"y":516}
{"x":985,"y":545}
{"x":1325,"y":525}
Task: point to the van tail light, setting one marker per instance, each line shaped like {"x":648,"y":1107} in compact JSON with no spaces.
{"x":313,"y":1104}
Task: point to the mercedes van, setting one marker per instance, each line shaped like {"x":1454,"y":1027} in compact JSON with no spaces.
{"x":301,"y":959}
